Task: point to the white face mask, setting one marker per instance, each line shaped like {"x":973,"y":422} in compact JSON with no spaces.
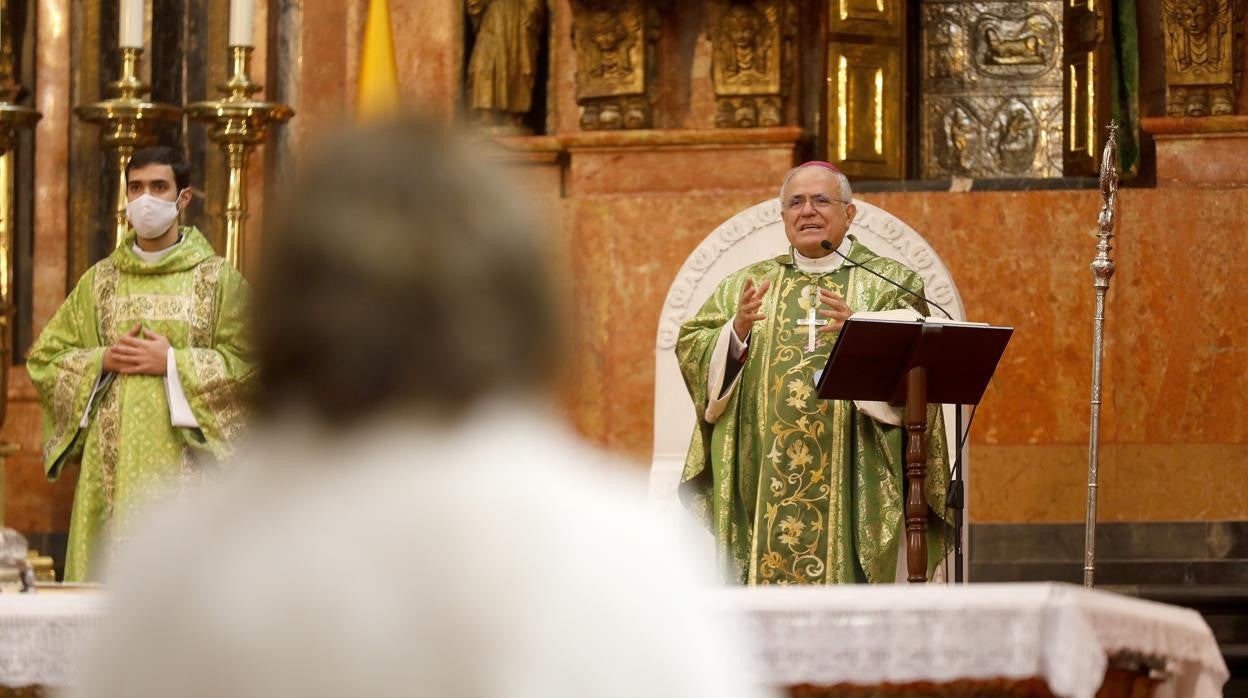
{"x":150,"y":216}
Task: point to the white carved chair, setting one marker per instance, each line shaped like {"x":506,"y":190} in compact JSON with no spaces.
{"x":754,"y":234}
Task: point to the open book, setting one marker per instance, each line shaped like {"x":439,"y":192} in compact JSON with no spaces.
{"x":908,"y":314}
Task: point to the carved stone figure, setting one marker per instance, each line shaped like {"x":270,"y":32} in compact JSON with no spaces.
{"x":1016,"y":45}
{"x":1202,"y":56}
{"x":749,"y":40}
{"x":503,"y":65}
{"x":614,"y":42}
{"x":744,"y":50}
{"x":611,"y":44}
{"x":961,"y":144}
{"x":946,"y":54}
{"x":1015,"y":135}
{"x":1025,"y":50}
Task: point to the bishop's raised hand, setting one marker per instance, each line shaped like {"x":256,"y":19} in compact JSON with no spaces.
{"x":749,"y":307}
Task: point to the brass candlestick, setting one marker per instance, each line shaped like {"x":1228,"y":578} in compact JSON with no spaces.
{"x":127,"y":122}
{"x":238,"y":123}
{"x":13,"y":118}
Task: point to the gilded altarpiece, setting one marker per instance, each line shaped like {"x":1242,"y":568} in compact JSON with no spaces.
{"x":865,"y":124}
{"x":1086,"y":69}
{"x":992,"y":89}
{"x":752,"y":49}
{"x":615,"y":66}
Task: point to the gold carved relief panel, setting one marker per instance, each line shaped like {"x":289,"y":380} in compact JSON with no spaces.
{"x":991,"y":102}
{"x":1204,"y":55}
{"x":752,"y":44}
{"x":614,"y":42}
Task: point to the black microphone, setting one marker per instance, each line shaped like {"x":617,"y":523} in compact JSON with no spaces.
{"x":828,"y":246}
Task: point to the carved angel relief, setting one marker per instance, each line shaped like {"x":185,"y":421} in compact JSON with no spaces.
{"x":750,"y":41}
{"x":1203,"y":55}
{"x":614,"y":41}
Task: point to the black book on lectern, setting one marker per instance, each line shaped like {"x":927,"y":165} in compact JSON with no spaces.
{"x":872,"y":357}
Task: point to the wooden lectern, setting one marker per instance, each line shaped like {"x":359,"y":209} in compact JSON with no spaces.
{"x":912,"y":363}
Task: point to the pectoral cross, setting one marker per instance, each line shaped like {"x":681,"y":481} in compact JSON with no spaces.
{"x":812,"y":322}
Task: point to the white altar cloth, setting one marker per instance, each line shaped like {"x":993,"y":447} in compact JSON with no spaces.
{"x":42,"y":635}
{"x":869,"y":635}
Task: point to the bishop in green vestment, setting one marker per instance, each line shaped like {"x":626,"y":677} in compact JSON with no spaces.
{"x":796,"y":489}
{"x":142,"y":373}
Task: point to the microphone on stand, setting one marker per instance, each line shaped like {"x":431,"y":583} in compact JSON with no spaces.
{"x":829,"y":247}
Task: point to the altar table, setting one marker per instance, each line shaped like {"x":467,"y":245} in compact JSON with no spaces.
{"x":970,"y":639}
{"x":42,"y":636}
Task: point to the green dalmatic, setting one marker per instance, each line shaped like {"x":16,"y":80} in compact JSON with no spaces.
{"x":797,"y":489}
{"x":119,"y":426}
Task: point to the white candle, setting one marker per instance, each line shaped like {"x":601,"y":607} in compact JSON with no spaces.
{"x":240,"y":22}
{"x":131,"y":34}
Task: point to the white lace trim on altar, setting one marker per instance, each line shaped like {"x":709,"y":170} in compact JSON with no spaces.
{"x":904,"y":634}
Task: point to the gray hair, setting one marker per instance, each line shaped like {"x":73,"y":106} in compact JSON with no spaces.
{"x":847,"y":193}
{"x":387,"y":284}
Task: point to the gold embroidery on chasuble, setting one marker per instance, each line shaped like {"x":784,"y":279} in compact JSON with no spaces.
{"x":204,"y":308}
{"x":106,"y":275}
{"x":156,"y":307}
{"x":801,"y":456}
{"x":109,"y":417}
{"x":210,"y":369}
{"x":63,"y":393}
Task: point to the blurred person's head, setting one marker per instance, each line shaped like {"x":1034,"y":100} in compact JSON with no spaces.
{"x":402,"y":273}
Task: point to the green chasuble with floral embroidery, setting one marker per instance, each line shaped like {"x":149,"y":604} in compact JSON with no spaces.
{"x":129,"y":449}
{"x":797,"y":489}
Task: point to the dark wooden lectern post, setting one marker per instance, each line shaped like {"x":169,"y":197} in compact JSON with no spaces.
{"x":913,"y":363}
{"x":916,"y":475}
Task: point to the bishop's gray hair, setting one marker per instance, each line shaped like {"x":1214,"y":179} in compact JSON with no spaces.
{"x":847,"y":193}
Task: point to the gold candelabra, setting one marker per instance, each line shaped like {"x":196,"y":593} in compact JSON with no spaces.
{"x":238,"y":124}
{"x":128,"y":122}
{"x":14,"y":118}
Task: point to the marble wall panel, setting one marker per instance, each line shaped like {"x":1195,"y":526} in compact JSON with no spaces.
{"x":315,"y":64}
{"x":52,"y":85}
{"x":1137,"y":482}
{"x":1207,"y":159}
{"x":1030,"y":482}
{"x":428,"y":47}
{"x":564,"y":116}
{"x":1182,"y":347}
{"x":1174,"y":480}
{"x":676,"y":168}
{"x":31,"y":503}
